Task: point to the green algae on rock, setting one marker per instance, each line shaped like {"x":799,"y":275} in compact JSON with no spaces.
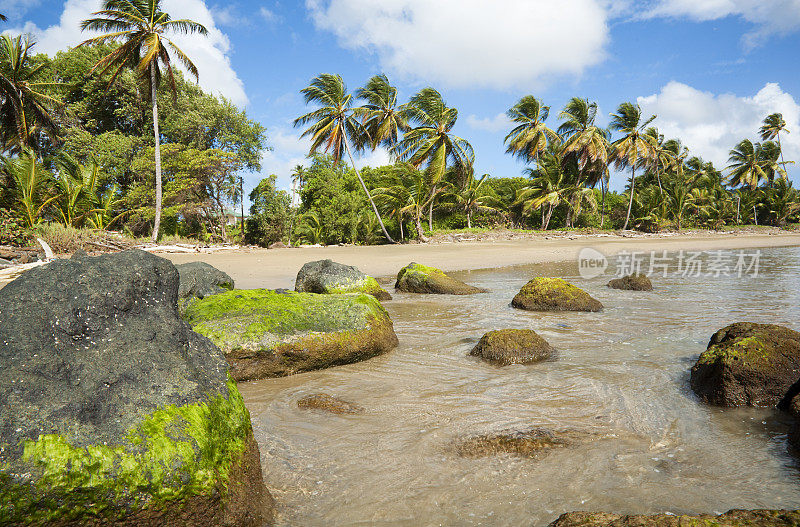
{"x":329,"y":403}
{"x":554,"y":294}
{"x":632,"y":282}
{"x":129,"y":418}
{"x":329,"y":277}
{"x":748,"y":364}
{"x":266,"y":333}
{"x":732,"y":518}
{"x":512,"y":346}
{"x":416,"y":278}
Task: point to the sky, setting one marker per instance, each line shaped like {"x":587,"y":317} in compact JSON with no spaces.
{"x":710,"y":70}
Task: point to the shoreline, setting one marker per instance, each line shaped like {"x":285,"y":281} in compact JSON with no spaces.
{"x":253,"y":268}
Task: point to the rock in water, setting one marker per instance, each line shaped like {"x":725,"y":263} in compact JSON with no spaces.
{"x":512,"y":346}
{"x":554,"y":294}
{"x":328,"y":403}
{"x":733,"y":518}
{"x":199,"y":280}
{"x":267,"y":333}
{"x":416,"y":278}
{"x":114,"y":411}
{"x":748,"y":364}
{"x":329,"y":277}
{"x":632,"y":282}
{"x":533,"y":443}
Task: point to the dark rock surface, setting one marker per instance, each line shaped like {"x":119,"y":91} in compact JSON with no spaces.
{"x":554,"y":294}
{"x":748,"y":364}
{"x":632,"y":282}
{"x":329,"y":277}
{"x":512,"y":346}
{"x":96,"y":365}
{"x":199,"y":280}
{"x":417,"y":278}
{"x":733,"y":518}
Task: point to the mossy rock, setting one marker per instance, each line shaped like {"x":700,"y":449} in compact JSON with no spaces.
{"x":329,"y":403}
{"x":512,"y":346}
{"x":114,"y":411}
{"x":733,"y":518}
{"x":533,"y":443}
{"x":632,"y":282}
{"x":554,"y":294}
{"x":329,"y":277}
{"x":416,"y":278}
{"x":748,"y":364}
{"x":266,"y":333}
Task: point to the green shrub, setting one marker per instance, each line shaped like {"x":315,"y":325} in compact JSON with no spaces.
{"x":12,"y":231}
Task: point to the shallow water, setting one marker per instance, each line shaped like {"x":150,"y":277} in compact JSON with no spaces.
{"x":622,"y":373}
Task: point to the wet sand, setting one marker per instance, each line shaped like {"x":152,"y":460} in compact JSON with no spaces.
{"x":275,"y":268}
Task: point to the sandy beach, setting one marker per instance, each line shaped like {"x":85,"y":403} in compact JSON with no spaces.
{"x":275,"y":268}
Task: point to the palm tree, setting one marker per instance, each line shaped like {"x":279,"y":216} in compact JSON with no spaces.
{"x":473,"y":197}
{"x":140,"y":27}
{"x":633,"y":148}
{"x":431,"y":142}
{"x":771,"y":129}
{"x":550,"y":186}
{"x":530,"y":137}
{"x":769,"y":154}
{"x":662,"y":157}
{"x":745,"y":166}
{"x":409,"y":190}
{"x":334,"y":125}
{"x":32,"y":186}
{"x":383,"y":120}
{"x":23,"y":106}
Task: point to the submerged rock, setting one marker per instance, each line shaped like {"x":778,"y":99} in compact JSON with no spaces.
{"x":512,"y":346}
{"x":632,"y":282}
{"x":267,"y":333}
{"x":748,"y":364}
{"x":328,"y":403}
{"x":554,"y":294}
{"x":733,"y":518}
{"x":199,"y":280}
{"x":114,"y":411}
{"x":329,"y":277}
{"x":416,"y":278}
{"x":533,"y":443}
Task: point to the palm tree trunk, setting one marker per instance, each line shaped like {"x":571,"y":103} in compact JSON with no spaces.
{"x":157,"y":136}
{"x":402,"y":235}
{"x":469,"y":220}
{"x":547,"y":219}
{"x":420,"y":231}
{"x":603,"y":209}
{"x":369,"y":196}
{"x":430,"y":209}
{"x":630,"y":203}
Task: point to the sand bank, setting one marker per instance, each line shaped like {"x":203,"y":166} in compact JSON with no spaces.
{"x":253,"y":268}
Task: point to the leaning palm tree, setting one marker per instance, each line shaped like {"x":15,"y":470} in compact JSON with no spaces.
{"x":772,"y":128}
{"x":432,"y":143}
{"x":334,"y":125}
{"x":382,"y":118}
{"x":769,"y":153}
{"x":633,"y":148}
{"x":582,"y":138}
{"x":24,"y":107}
{"x":745,"y":166}
{"x":530,"y":137}
{"x":140,"y":27}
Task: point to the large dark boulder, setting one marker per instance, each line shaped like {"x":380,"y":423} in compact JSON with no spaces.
{"x":554,"y":294}
{"x":329,"y":277}
{"x":416,"y":278}
{"x":114,"y":412}
{"x":632,"y":282}
{"x":748,"y":364}
{"x":266,"y":333}
{"x":199,"y":280}
{"x":512,"y":346}
{"x":733,"y":518}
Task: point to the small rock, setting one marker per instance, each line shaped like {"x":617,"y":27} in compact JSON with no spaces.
{"x":632,"y":282}
{"x":328,"y":403}
{"x":416,"y":278}
{"x":199,"y":280}
{"x":512,"y":346}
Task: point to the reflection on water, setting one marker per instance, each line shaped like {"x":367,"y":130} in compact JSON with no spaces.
{"x":621,"y":373}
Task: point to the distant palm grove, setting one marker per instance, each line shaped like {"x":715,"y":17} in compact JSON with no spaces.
{"x":109,"y":135}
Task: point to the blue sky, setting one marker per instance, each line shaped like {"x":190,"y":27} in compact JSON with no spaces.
{"x":709,"y":69}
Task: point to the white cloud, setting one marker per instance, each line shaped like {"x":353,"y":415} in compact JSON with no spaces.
{"x":498,"y":123}
{"x":210,"y":54}
{"x":268,"y":15}
{"x":711,"y":125}
{"x":769,"y":16}
{"x":16,"y":8}
{"x":475,"y":43}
